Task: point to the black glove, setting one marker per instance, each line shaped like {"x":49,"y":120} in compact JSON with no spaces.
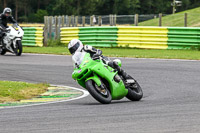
{"x":3,"y":28}
{"x":99,"y":52}
{"x":95,"y":56}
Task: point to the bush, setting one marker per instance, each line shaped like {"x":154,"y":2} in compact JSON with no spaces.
{"x":31,"y":17}
{"x":198,"y":47}
{"x":53,"y":43}
{"x":39,"y":16}
{"x":195,"y":48}
{"x":23,"y":19}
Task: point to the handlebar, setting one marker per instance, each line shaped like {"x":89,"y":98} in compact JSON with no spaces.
{"x":5,"y":30}
{"x":101,"y":58}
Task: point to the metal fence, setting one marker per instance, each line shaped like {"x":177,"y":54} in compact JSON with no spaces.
{"x":99,"y":20}
{"x":54,"y":23}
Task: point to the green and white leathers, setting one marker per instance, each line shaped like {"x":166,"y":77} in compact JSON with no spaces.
{"x":102,"y":81}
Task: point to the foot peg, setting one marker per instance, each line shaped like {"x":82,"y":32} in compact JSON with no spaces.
{"x":130,"y":81}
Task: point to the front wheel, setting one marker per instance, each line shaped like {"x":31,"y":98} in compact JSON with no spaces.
{"x":2,"y":51}
{"x":100,"y":94}
{"x":18,"y":49}
{"x":134,"y":92}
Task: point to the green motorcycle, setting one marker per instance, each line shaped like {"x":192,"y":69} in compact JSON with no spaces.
{"x":102,"y":81}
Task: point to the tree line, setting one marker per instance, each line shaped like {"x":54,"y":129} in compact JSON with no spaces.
{"x":34,"y":10}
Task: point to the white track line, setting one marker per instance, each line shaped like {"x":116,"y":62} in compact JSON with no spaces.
{"x":85,"y":93}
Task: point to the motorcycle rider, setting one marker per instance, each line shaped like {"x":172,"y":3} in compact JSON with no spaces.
{"x":76,"y":45}
{"x":5,"y":17}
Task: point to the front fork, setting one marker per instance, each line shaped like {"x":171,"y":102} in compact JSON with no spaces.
{"x":15,"y":42}
{"x":96,"y":79}
{"x":101,"y":87}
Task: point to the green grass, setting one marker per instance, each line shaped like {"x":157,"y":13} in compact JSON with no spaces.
{"x":11,"y":91}
{"x":47,"y":50}
{"x":124,"y":52}
{"x":177,"y":19}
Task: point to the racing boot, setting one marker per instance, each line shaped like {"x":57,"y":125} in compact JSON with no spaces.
{"x":127,"y":78}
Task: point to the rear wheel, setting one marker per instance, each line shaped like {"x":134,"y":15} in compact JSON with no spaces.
{"x":134,"y":91}
{"x":18,"y":49}
{"x":101,"y":94}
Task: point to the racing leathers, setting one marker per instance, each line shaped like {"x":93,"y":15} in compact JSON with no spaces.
{"x":3,"y":23}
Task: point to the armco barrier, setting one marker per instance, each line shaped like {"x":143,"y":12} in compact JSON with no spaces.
{"x":142,"y":37}
{"x":135,"y":37}
{"x":33,"y":36}
{"x":95,"y":36}
{"x":183,"y":38}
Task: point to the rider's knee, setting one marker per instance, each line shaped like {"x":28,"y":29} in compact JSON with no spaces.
{"x":110,"y":63}
{"x":115,"y":64}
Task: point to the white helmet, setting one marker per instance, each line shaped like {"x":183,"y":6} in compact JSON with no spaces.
{"x":75,"y":45}
{"x":7,"y":10}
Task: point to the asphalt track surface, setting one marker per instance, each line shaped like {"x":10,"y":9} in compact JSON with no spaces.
{"x":171,"y":101}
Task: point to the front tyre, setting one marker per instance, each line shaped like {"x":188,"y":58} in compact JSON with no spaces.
{"x":2,"y":51}
{"x":18,"y":49}
{"x":100,"y":94}
{"x":134,"y":92}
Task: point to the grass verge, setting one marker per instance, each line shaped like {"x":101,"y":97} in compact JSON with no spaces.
{"x":177,"y":19}
{"x":11,"y":91}
{"x":124,"y":52}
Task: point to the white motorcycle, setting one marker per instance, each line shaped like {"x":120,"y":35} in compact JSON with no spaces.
{"x":12,"y":40}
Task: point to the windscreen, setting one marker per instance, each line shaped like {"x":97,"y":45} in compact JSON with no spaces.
{"x":78,"y":57}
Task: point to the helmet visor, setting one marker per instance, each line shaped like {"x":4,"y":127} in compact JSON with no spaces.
{"x":73,"y":49}
{"x":8,"y":14}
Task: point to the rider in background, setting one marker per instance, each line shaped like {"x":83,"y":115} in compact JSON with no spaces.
{"x":6,"y":17}
{"x":76,"y":45}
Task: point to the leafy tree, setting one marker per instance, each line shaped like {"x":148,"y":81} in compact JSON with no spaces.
{"x":65,"y":7}
{"x":34,"y":10}
{"x":126,"y":6}
{"x":90,"y":7}
{"x":39,"y":16}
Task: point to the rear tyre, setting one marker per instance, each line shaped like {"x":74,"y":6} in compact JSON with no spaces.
{"x":100,"y":94}
{"x":18,"y":49}
{"x":134,"y":92}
